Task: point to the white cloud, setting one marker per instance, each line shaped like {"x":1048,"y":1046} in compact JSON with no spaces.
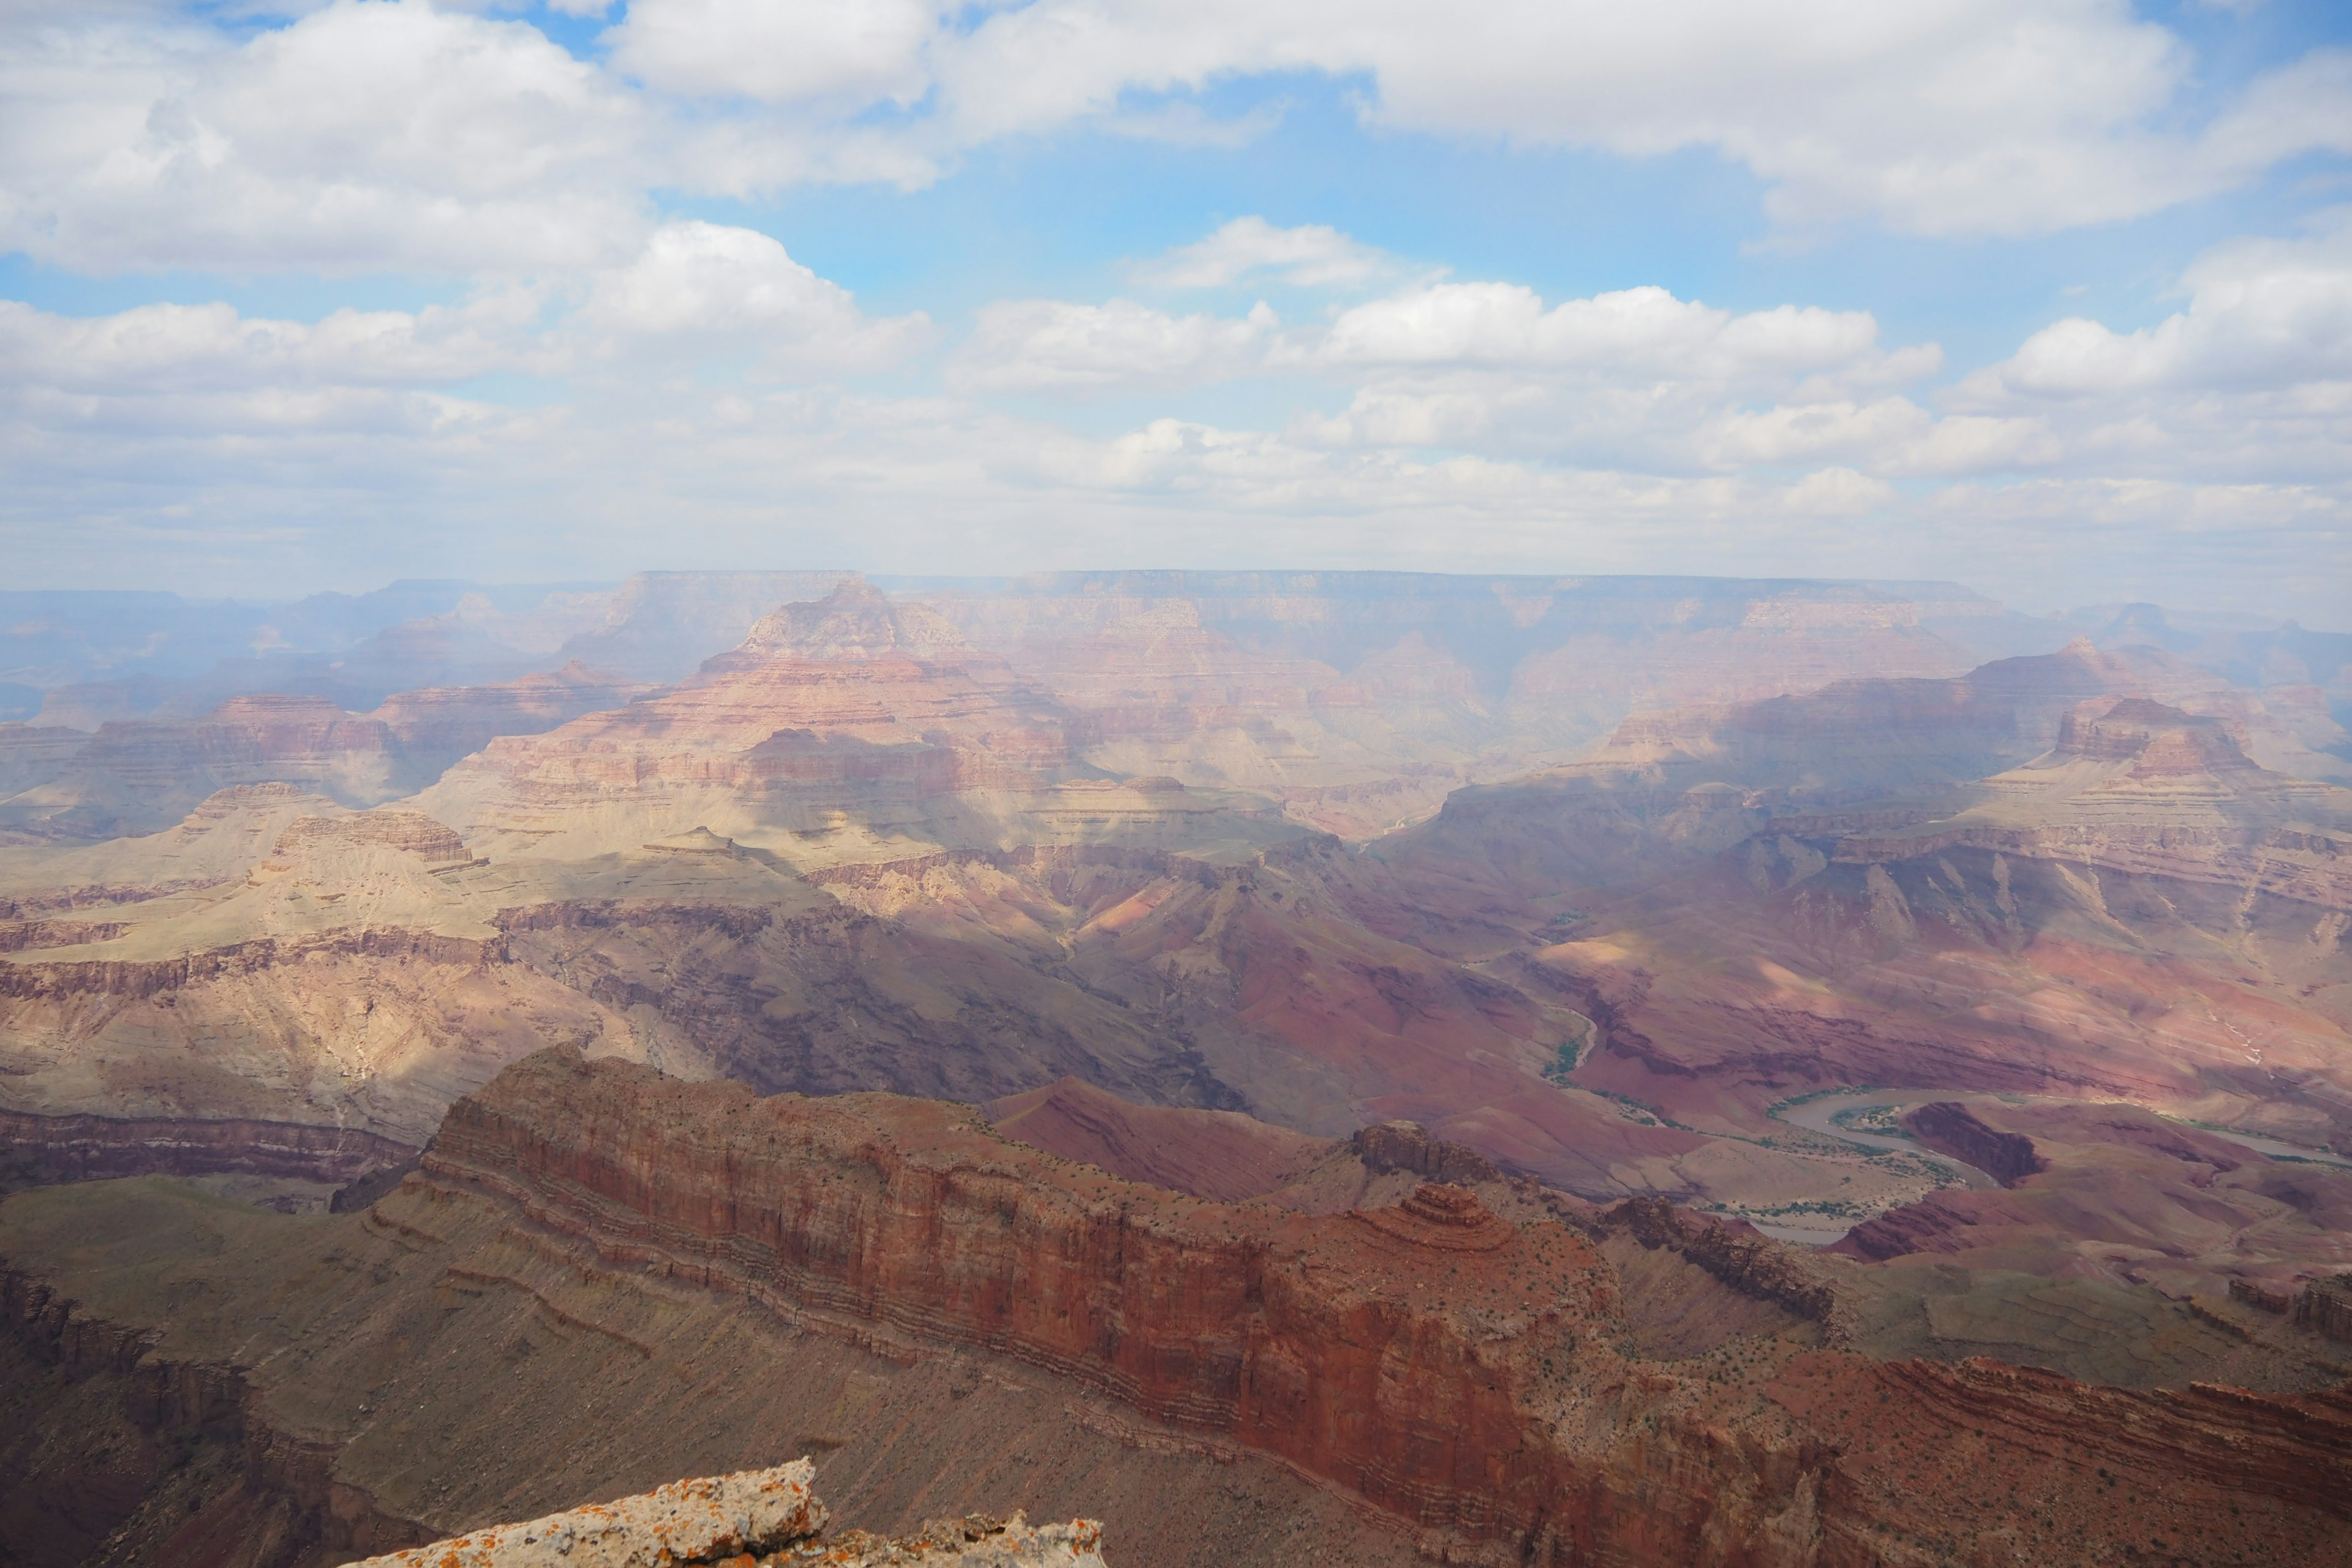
{"x":2261,"y":314}
{"x":1937,"y":117}
{"x":361,"y":138}
{"x":396,"y":136}
{"x":697,"y":293}
{"x":1251,"y":250}
{"x":1052,"y":345}
{"x":703,"y":290}
{"x":796,"y":52}
{"x":2252,"y":381}
{"x":1642,"y":332}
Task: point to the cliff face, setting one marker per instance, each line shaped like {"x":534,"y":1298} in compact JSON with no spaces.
{"x":1944,"y":1126}
{"x":94,"y":1148}
{"x":1462,"y":1372}
{"x":154,"y":1458}
{"x":1406,"y":1354}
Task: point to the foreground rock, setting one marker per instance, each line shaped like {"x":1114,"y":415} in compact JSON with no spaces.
{"x":772,"y":1515}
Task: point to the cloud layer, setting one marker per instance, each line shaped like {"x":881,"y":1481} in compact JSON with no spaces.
{"x":613,"y":381}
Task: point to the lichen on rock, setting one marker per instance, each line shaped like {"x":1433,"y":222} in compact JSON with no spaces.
{"x":753,"y":1519}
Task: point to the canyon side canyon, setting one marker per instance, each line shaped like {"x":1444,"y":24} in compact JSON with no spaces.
{"x":1344,"y":1068}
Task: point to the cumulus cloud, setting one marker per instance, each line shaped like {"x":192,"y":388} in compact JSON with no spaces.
{"x":1643,"y":331}
{"x":396,"y":134}
{"x":696,"y":377}
{"x":1940,"y":117}
{"x":703,"y":289}
{"x":797,"y":52}
{"x":697,"y":293}
{"x":2253,"y":379}
{"x":1251,"y":250}
{"x":1055,"y":346}
{"x":362,"y":137}
{"x":196,"y":348}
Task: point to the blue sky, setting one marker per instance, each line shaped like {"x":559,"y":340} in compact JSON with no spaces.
{"x":2053,"y":298}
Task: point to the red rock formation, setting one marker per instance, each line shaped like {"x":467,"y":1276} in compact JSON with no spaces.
{"x":1949,"y":1129}
{"x":1449,"y":1365}
{"x":1403,"y":1352}
{"x":1218,"y":1155}
{"x":1406,"y":1146}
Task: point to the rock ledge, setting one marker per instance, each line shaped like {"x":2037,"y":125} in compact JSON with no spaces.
{"x":768,"y":1517}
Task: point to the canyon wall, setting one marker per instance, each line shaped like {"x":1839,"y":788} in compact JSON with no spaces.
{"x":1407,"y":1354}
{"x":94,"y":1148}
{"x":1468,"y":1374}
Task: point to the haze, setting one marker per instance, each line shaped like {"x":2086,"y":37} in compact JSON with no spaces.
{"x":1086,"y":785}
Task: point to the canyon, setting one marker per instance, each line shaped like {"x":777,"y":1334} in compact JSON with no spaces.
{"x":1475,"y":1372}
{"x":1301,"y":904}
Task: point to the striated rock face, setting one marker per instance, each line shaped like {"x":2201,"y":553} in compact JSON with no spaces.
{"x":1406,"y":1146}
{"x":134,"y":776}
{"x":411,"y":832}
{"x":1360,"y":699}
{"x":770,"y":1516}
{"x":2325,"y":1307}
{"x":94,"y":1148}
{"x":437,"y":725}
{"x":1459,"y":1368}
{"x":1403,"y":1353}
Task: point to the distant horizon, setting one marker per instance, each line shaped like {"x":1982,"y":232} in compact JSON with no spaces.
{"x":900,"y":581}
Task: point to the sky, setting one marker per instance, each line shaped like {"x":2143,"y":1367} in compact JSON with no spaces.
{"x":2053,"y":298}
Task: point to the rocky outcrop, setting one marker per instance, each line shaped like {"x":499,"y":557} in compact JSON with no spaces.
{"x":2325,"y":1307}
{"x":132,"y":977}
{"x":2159,"y":741}
{"x":137,"y":776}
{"x":2262,"y":1296}
{"x":847,"y":705}
{"x":1949,"y":1128}
{"x":704,"y":1520}
{"x":1387,"y":1146}
{"x":437,"y":725}
{"x":95,"y":1148}
{"x":411,"y":832}
{"x":1735,"y":1253}
{"x":771,"y":1516}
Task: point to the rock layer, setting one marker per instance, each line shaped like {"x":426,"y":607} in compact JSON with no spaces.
{"x":1447,"y":1364}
